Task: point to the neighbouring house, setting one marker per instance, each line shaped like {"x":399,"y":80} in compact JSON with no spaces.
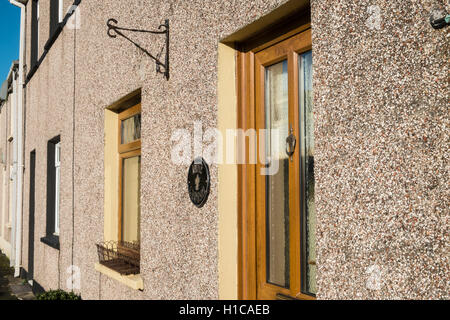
{"x":10,"y":225}
{"x":257,"y":149}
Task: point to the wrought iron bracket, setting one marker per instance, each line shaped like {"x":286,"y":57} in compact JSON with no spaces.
{"x":161,"y":67}
{"x":441,"y":22}
{"x":439,"y":18}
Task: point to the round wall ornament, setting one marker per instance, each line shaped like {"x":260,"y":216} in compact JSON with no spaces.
{"x":199,"y":182}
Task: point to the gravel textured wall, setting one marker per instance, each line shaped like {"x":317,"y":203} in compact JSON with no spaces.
{"x":380,"y":94}
{"x":179,"y":241}
{"x":381,"y":101}
{"x":49,"y":105}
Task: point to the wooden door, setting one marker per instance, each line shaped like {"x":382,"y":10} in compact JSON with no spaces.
{"x":272,"y":77}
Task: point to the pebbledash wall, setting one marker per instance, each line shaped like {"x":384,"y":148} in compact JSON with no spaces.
{"x":8,"y":177}
{"x":381,"y":131}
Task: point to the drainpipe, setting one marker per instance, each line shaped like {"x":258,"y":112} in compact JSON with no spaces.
{"x":19,"y":171}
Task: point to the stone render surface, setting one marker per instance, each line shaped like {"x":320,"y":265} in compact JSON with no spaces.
{"x":381,"y":131}
{"x":382,"y":138}
{"x":49,"y":106}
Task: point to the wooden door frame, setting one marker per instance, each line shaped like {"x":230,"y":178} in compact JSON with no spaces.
{"x":247,"y":173}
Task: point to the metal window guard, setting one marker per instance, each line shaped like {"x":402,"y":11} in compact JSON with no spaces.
{"x":120,"y":256}
{"x":164,"y":29}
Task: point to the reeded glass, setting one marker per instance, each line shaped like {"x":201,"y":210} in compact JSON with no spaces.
{"x":277,"y":185}
{"x":131,"y":192}
{"x":307,"y":163}
{"x":131,"y":129}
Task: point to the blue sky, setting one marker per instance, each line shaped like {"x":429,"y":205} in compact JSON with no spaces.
{"x":9,"y":36}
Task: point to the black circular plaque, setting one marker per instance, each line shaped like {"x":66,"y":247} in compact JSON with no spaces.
{"x":198,"y":182}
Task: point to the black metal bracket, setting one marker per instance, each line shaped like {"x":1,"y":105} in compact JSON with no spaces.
{"x":439,"y":19}
{"x":440,"y":23}
{"x":161,"y":67}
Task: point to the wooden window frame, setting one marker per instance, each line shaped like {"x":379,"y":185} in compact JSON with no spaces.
{"x":128,"y":150}
{"x":247,"y":173}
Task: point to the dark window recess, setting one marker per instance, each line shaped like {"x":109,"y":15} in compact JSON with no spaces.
{"x":54,"y":16}
{"x":50,"y":238}
{"x":34,"y":34}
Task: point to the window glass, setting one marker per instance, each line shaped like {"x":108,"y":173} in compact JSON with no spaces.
{"x":60,"y":10}
{"x":131,"y":129}
{"x":131,"y":191}
{"x":38,"y":18}
{"x":307,"y":162}
{"x":277,"y":185}
{"x":57,"y":185}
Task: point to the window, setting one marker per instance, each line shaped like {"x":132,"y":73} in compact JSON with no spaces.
{"x":120,"y":250}
{"x":53,"y":192}
{"x":38,"y":18}
{"x":55,"y":15}
{"x":34,"y":33}
{"x":61,"y":12}
{"x":57,"y":182}
{"x":129,"y":174}
{"x":307,"y":182}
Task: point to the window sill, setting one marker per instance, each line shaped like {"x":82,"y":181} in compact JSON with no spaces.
{"x":52,"y":241}
{"x":133,"y":281}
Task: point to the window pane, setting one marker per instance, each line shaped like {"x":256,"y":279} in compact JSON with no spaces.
{"x":57,"y":185}
{"x":131,"y":190}
{"x":131,"y":129}
{"x":277,"y":185}
{"x":307,"y":132}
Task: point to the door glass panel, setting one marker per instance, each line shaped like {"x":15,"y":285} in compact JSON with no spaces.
{"x":277,"y":185}
{"x":131,"y":129}
{"x":131,"y":191}
{"x":307,"y":164}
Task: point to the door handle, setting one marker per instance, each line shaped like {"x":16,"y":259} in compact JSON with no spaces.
{"x":291,"y":142}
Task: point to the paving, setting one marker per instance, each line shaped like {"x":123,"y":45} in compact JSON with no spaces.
{"x":12,"y":288}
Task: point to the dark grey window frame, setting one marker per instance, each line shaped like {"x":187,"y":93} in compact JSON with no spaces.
{"x":34,"y":34}
{"x":35,"y":62}
{"x":50,"y":238}
{"x":54,"y":17}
